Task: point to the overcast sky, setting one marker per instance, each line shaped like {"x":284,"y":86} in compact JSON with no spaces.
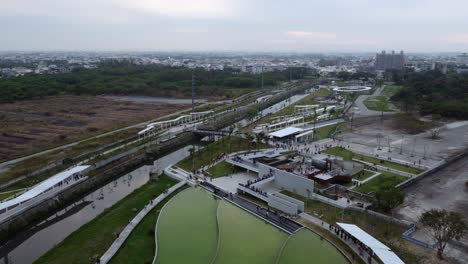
{"x":234,"y":25}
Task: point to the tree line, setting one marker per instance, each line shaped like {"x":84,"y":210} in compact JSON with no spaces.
{"x":432,"y":92}
{"x":124,"y":77}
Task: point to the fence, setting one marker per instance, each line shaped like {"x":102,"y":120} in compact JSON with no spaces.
{"x":407,"y":236}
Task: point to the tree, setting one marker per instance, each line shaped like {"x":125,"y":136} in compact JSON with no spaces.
{"x":444,"y":226}
{"x":388,"y":199}
{"x":192,"y":150}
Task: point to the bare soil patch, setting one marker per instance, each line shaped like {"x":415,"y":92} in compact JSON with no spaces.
{"x":31,"y":125}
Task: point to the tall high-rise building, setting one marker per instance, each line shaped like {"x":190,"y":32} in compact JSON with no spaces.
{"x":387,"y":61}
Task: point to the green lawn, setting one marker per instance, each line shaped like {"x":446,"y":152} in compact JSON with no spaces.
{"x":139,"y":246}
{"x":187,"y":230}
{"x":362,"y":175}
{"x":382,"y":182}
{"x":223,"y":169}
{"x":349,"y":155}
{"x":91,"y":240}
{"x":246,"y":239}
{"x":215,"y":150}
{"x":325,"y":132}
{"x":391,"y":90}
{"x":378,"y":103}
{"x":304,"y":246}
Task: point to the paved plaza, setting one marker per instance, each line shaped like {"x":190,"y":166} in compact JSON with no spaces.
{"x":230,"y":183}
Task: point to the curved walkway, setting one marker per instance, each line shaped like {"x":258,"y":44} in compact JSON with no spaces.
{"x":107,"y":256}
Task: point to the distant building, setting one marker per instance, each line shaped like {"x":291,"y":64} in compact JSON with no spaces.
{"x":463,"y":58}
{"x":389,"y":61}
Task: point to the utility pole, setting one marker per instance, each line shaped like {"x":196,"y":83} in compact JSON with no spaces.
{"x":352,"y":120}
{"x":414,"y":146}
{"x":262,"y":76}
{"x":193,"y":93}
{"x":401,"y":147}
{"x":424,"y":157}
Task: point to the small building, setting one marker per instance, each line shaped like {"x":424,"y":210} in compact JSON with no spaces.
{"x":286,"y":133}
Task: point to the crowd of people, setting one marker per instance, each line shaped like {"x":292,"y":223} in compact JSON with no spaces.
{"x":250,"y":183}
{"x":347,"y":237}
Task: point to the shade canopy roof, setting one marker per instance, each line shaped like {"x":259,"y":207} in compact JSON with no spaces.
{"x":43,"y":186}
{"x":286,"y":132}
{"x":385,"y":254}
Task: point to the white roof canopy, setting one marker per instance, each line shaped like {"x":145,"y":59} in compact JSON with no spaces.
{"x":286,"y":132}
{"x":43,"y":186}
{"x":385,"y":254}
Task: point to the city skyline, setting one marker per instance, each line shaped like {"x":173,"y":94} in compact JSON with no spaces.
{"x":228,"y":25}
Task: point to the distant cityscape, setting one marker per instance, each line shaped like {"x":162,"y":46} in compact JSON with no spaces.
{"x":14,"y":64}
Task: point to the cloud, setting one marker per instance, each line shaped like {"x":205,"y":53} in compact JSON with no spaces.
{"x":310,"y":34}
{"x":458,"y":38}
{"x":184,"y":8}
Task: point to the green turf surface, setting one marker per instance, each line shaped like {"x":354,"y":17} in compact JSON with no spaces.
{"x":187,"y":229}
{"x":223,"y":169}
{"x":306,"y":247}
{"x":93,"y":239}
{"x":245,"y":238}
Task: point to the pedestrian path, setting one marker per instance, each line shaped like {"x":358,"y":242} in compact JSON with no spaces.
{"x":134,"y":222}
{"x":314,"y":220}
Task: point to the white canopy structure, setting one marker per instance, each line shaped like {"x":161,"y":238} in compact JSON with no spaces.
{"x":286,"y":132}
{"x":385,"y":254}
{"x":43,"y":187}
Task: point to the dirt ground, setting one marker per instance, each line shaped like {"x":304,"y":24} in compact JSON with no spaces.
{"x":31,"y":125}
{"x":444,"y":189}
{"x":453,"y":137}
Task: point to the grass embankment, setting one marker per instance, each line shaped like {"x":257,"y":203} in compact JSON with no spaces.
{"x":325,"y":132}
{"x":8,"y":194}
{"x":139,"y":246}
{"x":384,"y":231}
{"x":215,"y":150}
{"x":223,"y":169}
{"x":91,"y":240}
{"x":349,"y":155}
{"x":363,"y":175}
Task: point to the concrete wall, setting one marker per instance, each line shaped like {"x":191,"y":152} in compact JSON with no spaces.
{"x":300,"y":204}
{"x":289,"y":181}
{"x":282,"y":205}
